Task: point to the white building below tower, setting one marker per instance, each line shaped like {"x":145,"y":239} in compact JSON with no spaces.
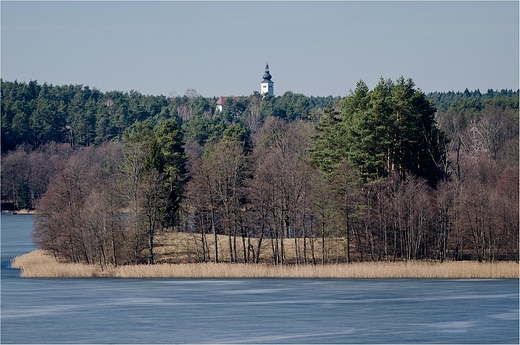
{"x":267,"y":86}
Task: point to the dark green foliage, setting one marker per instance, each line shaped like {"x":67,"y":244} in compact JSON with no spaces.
{"x":235,"y":133}
{"x":234,"y":108}
{"x":388,"y":129}
{"x":327,"y":151}
{"x":36,"y":114}
{"x":291,"y":106}
{"x":474,"y":102}
{"x":171,"y":165}
{"x":202,"y":130}
{"x":23,"y":197}
{"x":316,"y":103}
{"x":163,"y":152}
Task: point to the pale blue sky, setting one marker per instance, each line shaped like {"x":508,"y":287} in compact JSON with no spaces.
{"x":220,"y":48}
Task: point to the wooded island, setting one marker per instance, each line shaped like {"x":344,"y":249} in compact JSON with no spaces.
{"x":388,"y":174}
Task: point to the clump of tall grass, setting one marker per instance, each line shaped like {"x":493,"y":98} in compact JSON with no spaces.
{"x":41,"y":264}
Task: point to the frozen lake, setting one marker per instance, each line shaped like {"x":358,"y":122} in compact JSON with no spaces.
{"x":102,"y":310}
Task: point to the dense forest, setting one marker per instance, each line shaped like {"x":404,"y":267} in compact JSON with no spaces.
{"x":384,"y":174}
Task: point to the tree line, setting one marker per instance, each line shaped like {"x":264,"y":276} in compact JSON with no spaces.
{"x":380,"y":174}
{"x":35,"y":114}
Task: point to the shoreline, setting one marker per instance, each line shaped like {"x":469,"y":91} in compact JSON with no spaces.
{"x":23,"y":211}
{"x":40,"y":264}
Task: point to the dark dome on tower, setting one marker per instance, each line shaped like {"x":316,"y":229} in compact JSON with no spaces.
{"x":267,"y":76}
{"x":267,"y":85}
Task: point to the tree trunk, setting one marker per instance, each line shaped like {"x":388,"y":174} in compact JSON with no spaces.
{"x":214,"y":234}
{"x":261,"y":237}
{"x":244,"y":247}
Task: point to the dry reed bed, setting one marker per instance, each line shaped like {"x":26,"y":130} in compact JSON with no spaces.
{"x":39,"y":264}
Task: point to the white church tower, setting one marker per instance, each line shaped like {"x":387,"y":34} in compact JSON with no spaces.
{"x":267,"y":86}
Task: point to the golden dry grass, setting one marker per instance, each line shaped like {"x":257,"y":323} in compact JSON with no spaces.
{"x":41,"y":264}
{"x":181,"y":247}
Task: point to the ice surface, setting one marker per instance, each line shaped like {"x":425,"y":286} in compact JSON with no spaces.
{"x":303,"y":311}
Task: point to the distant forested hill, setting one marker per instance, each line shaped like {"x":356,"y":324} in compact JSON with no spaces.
{"x":34,"y":114}
{"x":473,"y":102}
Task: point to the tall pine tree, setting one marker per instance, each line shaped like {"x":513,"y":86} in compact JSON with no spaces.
{"x":388,"y":129}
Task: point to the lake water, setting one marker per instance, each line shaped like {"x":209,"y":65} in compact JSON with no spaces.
{"x":144,"y":311}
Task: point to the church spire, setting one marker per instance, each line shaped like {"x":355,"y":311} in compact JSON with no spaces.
{"x":267,"y":85}
{"x":267,"y":76}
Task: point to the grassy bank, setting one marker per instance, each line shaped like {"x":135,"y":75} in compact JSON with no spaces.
{"x":40,"y":264}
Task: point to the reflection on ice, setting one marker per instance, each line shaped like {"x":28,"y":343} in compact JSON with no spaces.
{"x":305,"y":337}
{"x":253,"y":291}
{"x":36,"y":311}
{"x":454,"y":326}
{"x":510,"y":315}
{"x":62,"y":309}
{"x":136,"y":301}
{"x":202,"y":281}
